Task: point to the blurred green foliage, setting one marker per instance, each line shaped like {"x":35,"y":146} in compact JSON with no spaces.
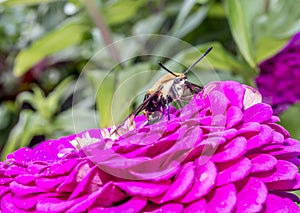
{"x":56,"y":78}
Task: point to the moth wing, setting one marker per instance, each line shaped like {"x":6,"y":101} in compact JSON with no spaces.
{"x":190,"y":91}
{"x":128,"y":123}
{"x":146,"y":102}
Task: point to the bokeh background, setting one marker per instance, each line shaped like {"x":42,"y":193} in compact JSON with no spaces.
{"x":55,"y":57}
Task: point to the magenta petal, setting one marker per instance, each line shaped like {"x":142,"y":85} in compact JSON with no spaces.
{"x":20,"y":189}
{"x":286,"y":184}
{"x":233,"y":171}
{"x":249,"y":128}
{"x":166,"y":174}
{"x":70,"y":182}
{"x":3,"y":190}
{"x":230,"y":151}
{"x":277,"y":138}
{"x":294,"y":160}
{"x":4,"y":181}
{"x":56,"y":204}
{"x":52,"y":150}
{"x":169,"y":207}
{"x":167,"y":162}
{"x":205,"y":177}
{"x":110,"y":195}
{"x":83,"y":205}
{"x":252,"y":196}
{"x":135,"y":204}
{"x":213,"y":141}
{"x":227,"y":134}
{"x":37,"y":167}
{"x":274,"y":119}
{"x":7,"y":205}
{"x":288,"y":195}
{"x":148,"y":139}
{"x":85,"y":183}
{"x":21,"y":156}
{"x":115,"y":164}
{"x":25,"y":178}
{"x":222,"y":199}
{"x":25,"y":204}
{"x":234,"y":116}
{"x":218,"y":102}
{"x":256,"y":141}
{"x":181,"y":184}
{"x":284,"y":171}
{"x":260,"y":113}
{"x":263,"y":162}
{"x":283,"y":150}
{"x":62,"y":167}
{"x":197,"y":207}
{"x":206,"y":121}
{"x":275,"y":203}
{"x":49,"y":183}
{"x":14,"y":170}
{"x":146,"y":189}
{"x":280,"y":129}
{"x":264,"y":137}
{"x":233,"y":91}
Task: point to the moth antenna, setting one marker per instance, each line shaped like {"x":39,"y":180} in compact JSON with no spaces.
{"x":199,"y":59}
{"x":165,"y":68}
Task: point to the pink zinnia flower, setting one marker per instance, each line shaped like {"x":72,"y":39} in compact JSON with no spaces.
{"x":223,"y":152}
{"x":279,"y":77}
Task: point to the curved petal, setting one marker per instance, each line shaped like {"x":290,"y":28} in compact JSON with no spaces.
{"x":233,"y":171}
{"x":222,"y":199}
{"x":252,"y":196}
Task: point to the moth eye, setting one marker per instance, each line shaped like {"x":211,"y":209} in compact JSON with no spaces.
{"x":177,"y":80}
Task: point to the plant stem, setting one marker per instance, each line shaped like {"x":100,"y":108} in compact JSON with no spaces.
{"x":104,"y":30}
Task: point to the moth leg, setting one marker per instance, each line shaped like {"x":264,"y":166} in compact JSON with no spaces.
{"x":167,"y":107}
{"x":174,"y":92}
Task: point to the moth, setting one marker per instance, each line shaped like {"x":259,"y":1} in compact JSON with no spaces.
{"x":170,"y":87}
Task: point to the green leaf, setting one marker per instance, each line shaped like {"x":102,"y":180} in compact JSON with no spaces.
{"x":67,"y":35}
{"x":272,"y":31}
{"x":46,"y":106}
{"x":290,"y":120}
{"x":216,"y":10}
{"x":270,"y":24}
{"x":186,"y":8}
{"x":149,"y":25}
{"x":75,"y":120}
{"x":25,"y":97}
{"x":218,"y":58}
{"x":240,"y":15}
{"x":267,"y":47}
{"x":103,"y":84}
{"x":25,"y":2}
{"x":54,"y":99}
{"x":116,"y":92}
{"x":187,"y":20}
{"x":258,"y":29}
{"x":132,"y":83}
{"x":193,"y":21}
{"x":29,"y":125}
{"x":121,"y":11}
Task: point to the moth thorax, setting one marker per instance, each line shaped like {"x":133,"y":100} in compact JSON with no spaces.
{"x":178,"y":87}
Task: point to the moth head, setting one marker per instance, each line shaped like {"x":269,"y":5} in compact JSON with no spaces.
{"x":180,"y":78}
